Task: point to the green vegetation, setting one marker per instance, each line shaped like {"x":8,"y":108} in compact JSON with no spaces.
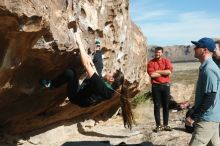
{"x":142,"y":97}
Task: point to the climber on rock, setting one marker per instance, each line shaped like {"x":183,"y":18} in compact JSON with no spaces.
{"x":97,"y":58}
{"x":96,"y":89}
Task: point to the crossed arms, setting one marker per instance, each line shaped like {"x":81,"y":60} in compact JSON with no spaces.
{"x":160,"y":73}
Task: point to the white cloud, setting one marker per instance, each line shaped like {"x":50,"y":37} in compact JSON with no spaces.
{"x":187,"y":26}
{"x":137,"y":7}
{"x":149,"y":15}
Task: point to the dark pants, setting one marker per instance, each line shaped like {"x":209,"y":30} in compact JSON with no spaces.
{"x":79,"y":95}
{"x":69,"y":77}
{"x":161,"y":93}
{"x":98,"y":62}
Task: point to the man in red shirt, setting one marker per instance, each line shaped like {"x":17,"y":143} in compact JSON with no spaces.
{"x":159,"y":70}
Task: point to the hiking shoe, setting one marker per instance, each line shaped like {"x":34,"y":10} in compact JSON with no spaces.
{"x":157,"y":129}
{"x":45,"y":83}
{"x":167,"y":128}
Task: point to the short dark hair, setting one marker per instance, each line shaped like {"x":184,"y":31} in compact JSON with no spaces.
{"x":159,"y":48}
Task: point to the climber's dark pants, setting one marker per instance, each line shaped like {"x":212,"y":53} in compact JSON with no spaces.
{"x":98,"y":62}
{"x":161,"y":93}
{"x":69,"y":77}
{"x":79,"y":95}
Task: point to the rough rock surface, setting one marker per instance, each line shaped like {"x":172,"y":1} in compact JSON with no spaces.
{"x":37,"y":41}
{"x":181,"y":93}
{"x":111,"y":132}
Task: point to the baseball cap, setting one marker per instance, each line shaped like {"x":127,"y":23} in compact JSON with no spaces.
{"x":205,"y":43}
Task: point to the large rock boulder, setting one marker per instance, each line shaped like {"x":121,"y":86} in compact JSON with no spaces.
{"x":37,"y":41}
{"x":181,"y":92}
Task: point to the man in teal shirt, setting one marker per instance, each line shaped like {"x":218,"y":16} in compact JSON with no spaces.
{"x":206,"y":115}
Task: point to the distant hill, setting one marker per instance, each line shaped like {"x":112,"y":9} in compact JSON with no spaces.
{"x":176,"y":53}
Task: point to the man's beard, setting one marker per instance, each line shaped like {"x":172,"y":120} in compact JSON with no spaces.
{"x":157,"y":57}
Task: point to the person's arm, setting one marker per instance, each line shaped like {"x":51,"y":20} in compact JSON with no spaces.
{"x":155,"y":75}
{"x":164,"y":72}
{"x":168,"y":69}
{"x":85,"y":58}
{"x":151,"y":71}
{"x":201,"y":109}
{"x":207,"y":102}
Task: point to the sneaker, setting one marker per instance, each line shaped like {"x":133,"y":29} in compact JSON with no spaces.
{"x":157,"y":129}
{"x":167,"y":128}
{"x":45,"y":83}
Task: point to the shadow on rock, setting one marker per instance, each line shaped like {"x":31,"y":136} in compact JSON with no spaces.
{"x":180,"y":129}
{"x":91,"y":133}
{"x":104,"y":143}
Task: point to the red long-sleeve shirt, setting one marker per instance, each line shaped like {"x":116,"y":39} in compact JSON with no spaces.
{"x":161,"y":64}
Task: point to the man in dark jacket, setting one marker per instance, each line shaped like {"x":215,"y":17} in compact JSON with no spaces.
{"x":97,"y":59}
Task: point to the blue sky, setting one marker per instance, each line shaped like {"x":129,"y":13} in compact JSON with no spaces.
{"x":176,"y":22}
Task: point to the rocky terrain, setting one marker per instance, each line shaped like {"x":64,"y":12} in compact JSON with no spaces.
{"x":110,"y":131}
{"x":38,"y":41}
